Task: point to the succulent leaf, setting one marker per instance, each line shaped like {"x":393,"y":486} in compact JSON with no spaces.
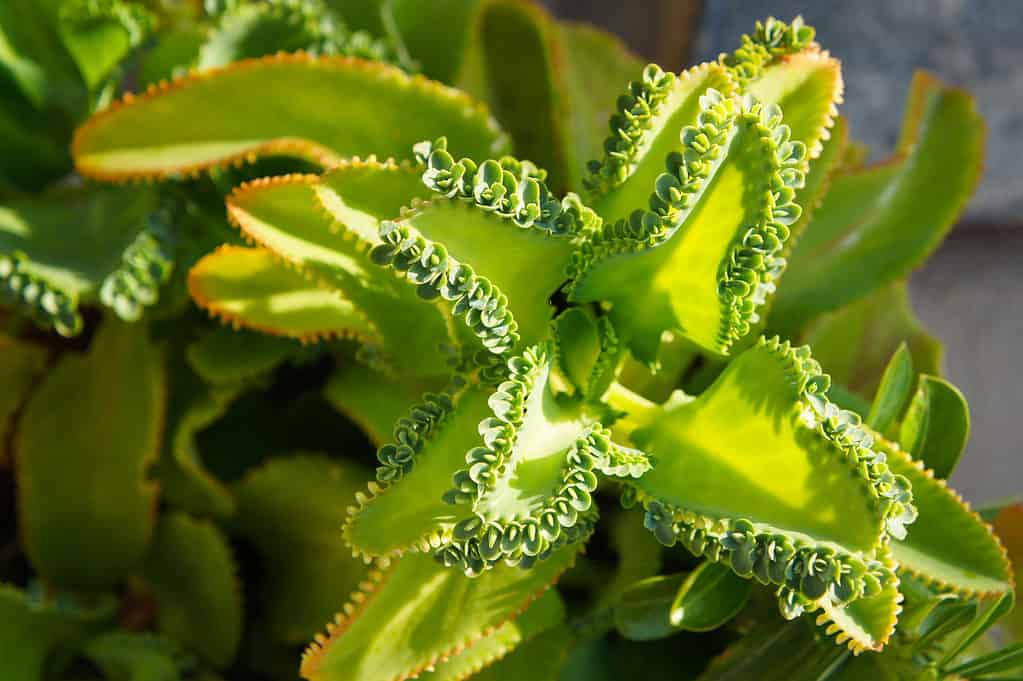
{"x":868,"y":622}
{"x":83,"y":448}
{"x":192,"y":573}
{"x":36,"y":622}
{"x":645,"y":128}
{"x":894,"y":391}
{"x":872,"y":228}
{"x":707,"y":253}
{"x":399,"y":623}
{"x":710,"y":596}
{"x":496,"y":271}
{"x":404,"y":509}
{"x":574,"y":74}
{"x":100,"y":33}
{"x":349,"y":385}
{"x":223,"y":356}
{"x":121,"y":258}
{"x":21,"y":365}
{"x":857,"y":341}
{"x":531,"y":482}
{"x":251,"y":288}
{"x":123,"y":656}
{"x":375,"y":109}
{"x":290,"y":509}
{"x":772,"y":40}
{"x":285,"y":216}
{"x":250,"y":30}
{"x":949,"y":547}
{"x":936,"y":425}
{"x":785,"y":516}
{"x":194,"y":405}
{"x":808,"y":87}
{"x":534,"y":624}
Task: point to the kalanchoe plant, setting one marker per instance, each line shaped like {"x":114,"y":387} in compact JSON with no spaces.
{"x":546,"y":354}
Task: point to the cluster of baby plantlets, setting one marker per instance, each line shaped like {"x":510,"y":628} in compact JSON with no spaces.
{"x":544,"y":359}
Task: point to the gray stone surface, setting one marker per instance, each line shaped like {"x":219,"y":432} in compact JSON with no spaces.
{"x":973,"y":43}
{"x":969,"y":296}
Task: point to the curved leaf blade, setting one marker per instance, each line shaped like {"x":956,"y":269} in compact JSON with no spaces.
{"x":936,"y":427}
{"x":285,"y":216}
{"x":872,"y":228}
{"x":249,"y":287}
{"x":709,"y":597}
{"x":949,"y":546}
{"x":290,"y":510}
{"x":34,"y":624}
{"x":193,"y":576}
{"x":400,"y":623}
{"x":323,"y":110}
{"x":83,"y":448}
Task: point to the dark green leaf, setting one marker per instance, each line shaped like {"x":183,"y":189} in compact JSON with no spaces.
{"x":937,"y":425}
{"x":711,"y":595}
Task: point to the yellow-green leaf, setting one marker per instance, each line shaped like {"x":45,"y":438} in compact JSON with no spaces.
{"x":192,"y":574}
{"x":249,"y":287}
{"x":324,"y":109}
{"x":83,"y":449}
{"x":290,"y":510}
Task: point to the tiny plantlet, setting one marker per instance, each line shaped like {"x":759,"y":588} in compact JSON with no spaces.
{"x":632,"y":348}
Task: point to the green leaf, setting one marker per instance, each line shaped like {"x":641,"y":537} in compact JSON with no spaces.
{"x":872,"y":228}
{"x":404,"y":509}
{"x":814,"y":491}
{"x":645,"y":128}
{"x":420,"y":612}
{"x":710,"y":596}
{"x":949,"y":546}
{"x":194,"y":405}
{"x":491,"y":654}
{"x":351,"y":382}
{"x":36,"y":623}
{"x":126,"y":656}
{"x":777,"y":651}
{"x":249,"y":287}
{"x":530,"y":481}
{"x":979,"y":625}
{"x":100,"y":33}
{"x":808,"y":86}
{"x":936,"y":427}
{"x":290,"y":510}
{"x":192,"y":573}
{"x":867,"y":623}
{"x":1006,"y":659}
{"x":224,"y":356}
{"x":856,"y":342}
{"x":439,"y":59}
{"x":705,"y":256}
{"x":552,"y":86}
{"x":84,"y":445}
{"x":286,"y":216}
{"x":551,"y":646}
{"x":894,"y":392}
{"x":21,"y":364}
{"x":643,"y":611}
{"x":373,"y":109}
{"x":46,"y":273}
{"x":32,"y":52}
{"x":588,"y":351}
{"x":34,"y":154}
{"x":447,"y":248}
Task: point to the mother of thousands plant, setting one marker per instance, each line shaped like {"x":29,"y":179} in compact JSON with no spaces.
{"x":548,"y":356}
